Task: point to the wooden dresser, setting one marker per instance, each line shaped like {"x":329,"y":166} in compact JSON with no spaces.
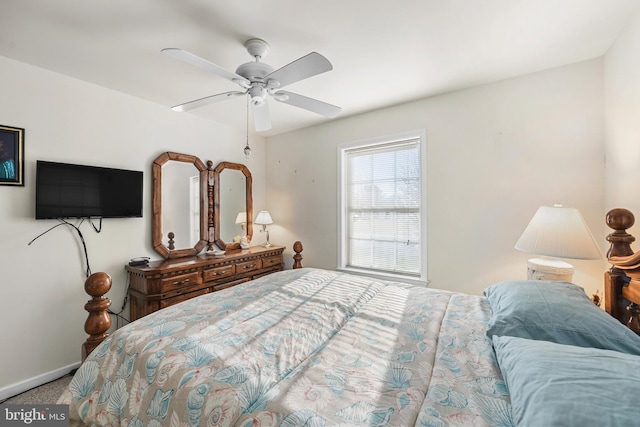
{"x":161,"y":284}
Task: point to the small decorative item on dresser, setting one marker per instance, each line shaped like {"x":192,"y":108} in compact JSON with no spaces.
{"x":216,"y":252}
{"x":11,"y":156}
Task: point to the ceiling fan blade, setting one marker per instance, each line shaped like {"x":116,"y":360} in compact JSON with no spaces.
{"x":261,"y":117}
{"x":206,"y":101}
{"x":302,"y":68}
{"x":307,"y":103}
{"x":201,"y":63}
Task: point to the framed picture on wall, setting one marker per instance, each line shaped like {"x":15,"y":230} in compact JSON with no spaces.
{"x":11,"y":156}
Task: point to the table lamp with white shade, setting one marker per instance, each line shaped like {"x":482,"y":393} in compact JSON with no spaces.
{"x":557,"y":232}
{"x":264,"y":219}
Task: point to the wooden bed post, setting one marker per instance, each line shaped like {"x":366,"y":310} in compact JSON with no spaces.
{"x":620,"y":220}
{"x":615,"y":280}
{"x":99,"y":320}
{"x":297,"y":258}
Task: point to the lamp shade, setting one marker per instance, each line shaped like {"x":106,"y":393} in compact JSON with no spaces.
{"x":263,"y":218}
{"x":559,"y":232}
{"x":241,"y":218}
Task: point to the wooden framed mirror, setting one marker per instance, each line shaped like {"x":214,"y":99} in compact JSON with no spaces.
{"x":180,"y":216}
{"x":232,"y":195}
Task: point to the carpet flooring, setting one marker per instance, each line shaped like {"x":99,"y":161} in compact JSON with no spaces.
{"x":46,"y":393}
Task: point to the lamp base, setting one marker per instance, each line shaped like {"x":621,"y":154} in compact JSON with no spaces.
{"x":549,"y":269}
{"x":267,"y":245}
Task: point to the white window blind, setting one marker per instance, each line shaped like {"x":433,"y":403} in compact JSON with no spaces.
{"x":382,"y":202}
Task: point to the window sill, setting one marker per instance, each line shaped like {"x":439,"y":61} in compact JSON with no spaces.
{"x":386,"y":276}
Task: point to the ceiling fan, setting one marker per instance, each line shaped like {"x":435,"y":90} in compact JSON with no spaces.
{"x":260,"y":80}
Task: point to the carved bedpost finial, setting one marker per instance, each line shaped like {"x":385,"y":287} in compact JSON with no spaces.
{"x":297,"y":258}
{"x":99,"y":321}
{"x":620,"y":220}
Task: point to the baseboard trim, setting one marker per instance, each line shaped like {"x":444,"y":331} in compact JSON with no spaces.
{"x":22,"y":386}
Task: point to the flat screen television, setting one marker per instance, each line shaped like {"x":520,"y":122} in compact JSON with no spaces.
{"x":78,"y":191}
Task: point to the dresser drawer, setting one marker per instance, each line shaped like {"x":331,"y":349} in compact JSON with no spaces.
{"x":271,"y":261}
{"x":174,"y":300}
{"x":245,"y":267}
{"x":218,"y":273}
{"x":229,"y":284}
{"x":177,"y":282}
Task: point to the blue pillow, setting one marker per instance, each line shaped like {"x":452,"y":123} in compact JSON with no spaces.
{"x":559,"y":312}
{"x":562,"y":385}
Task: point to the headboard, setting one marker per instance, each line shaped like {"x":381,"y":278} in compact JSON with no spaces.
{"x":622,"y":281}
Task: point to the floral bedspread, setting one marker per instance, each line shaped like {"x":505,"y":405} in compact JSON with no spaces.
{"x":302,"y":347}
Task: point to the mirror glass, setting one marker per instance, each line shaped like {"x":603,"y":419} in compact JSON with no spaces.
{"x":179,"y":205}
{"x":232,"y":195}
{"x":232,"y":202}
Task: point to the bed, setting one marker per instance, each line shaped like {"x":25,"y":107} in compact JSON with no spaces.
{"x":311,"y":347}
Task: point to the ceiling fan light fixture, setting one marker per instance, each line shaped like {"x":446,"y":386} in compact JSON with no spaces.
{"x":258,"y":95}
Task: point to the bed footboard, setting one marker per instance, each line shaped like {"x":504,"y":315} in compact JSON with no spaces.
{"x":622,"y":281}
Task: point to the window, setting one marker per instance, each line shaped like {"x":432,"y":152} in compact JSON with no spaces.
{"x":381,"y":207}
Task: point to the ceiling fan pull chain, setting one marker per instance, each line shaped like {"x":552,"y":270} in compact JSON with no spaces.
{"x":247,"y":149}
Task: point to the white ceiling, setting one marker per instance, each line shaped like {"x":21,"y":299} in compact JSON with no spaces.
{"x":383,"y":52}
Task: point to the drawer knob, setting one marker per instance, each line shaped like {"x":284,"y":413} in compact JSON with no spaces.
{"x":246,"y":267}
{"x":181,"y":282}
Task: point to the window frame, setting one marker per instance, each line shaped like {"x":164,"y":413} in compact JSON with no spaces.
{"x":342,"y":252}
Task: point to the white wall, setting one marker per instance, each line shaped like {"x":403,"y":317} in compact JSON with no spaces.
{"x":495,"y":154}
{"x":622,"y":122}
{"x":42,"y":295}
